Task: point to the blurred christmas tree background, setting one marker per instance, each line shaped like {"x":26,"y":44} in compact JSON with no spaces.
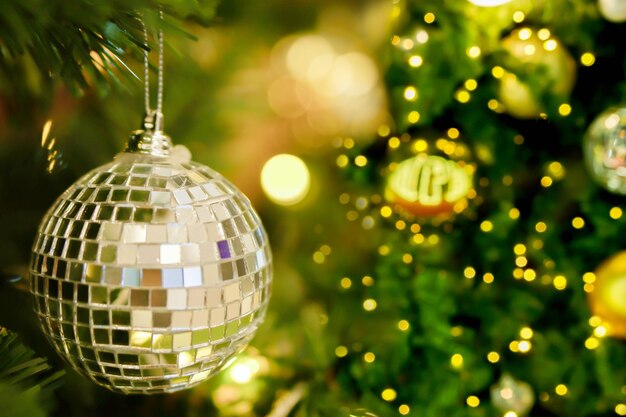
{"x":419,"y":167}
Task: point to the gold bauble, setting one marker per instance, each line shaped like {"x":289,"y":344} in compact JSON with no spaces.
{"x":607,"y":300}
{"x":536,"y":49}
{"x":427,"y":185}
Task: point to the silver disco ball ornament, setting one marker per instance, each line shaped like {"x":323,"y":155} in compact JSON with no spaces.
{"x":605,"y":149}
{"x":152,"y":271}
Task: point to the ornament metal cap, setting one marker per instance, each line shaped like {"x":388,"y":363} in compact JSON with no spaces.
{"x":150,"y":139}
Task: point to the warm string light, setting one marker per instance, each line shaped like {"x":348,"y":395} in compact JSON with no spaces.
{"x":389,"y":394}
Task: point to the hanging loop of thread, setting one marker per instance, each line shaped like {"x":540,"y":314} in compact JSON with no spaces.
{"x":154,"y":117}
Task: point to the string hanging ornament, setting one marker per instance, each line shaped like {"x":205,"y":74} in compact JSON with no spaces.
{"x":152,"y":271}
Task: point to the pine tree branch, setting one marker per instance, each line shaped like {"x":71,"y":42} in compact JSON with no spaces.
{"x":85,"y":43}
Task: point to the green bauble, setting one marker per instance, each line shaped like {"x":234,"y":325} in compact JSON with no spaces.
{"x":605,"y":149}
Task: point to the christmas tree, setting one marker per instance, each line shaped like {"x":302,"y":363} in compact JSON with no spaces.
{"x":442,"y":183}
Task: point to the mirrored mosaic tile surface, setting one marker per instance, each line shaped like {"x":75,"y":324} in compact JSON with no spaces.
{"x":149,"y":274}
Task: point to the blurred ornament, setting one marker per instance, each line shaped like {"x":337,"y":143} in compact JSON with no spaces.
{"x":605,"y":149}
{"x":428,"y":185}
{"x":489,"y":3}
{"x":285,"y":179}
{"x":553,"y":69}
{"x":613,"y":10}
{"x":150,"y":272}
{"x":510,"y":394}
{"x":607,"y":299}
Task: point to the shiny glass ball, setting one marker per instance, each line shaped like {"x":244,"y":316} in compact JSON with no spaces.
{"x":604,"y":147}
{"x":150,"y":273}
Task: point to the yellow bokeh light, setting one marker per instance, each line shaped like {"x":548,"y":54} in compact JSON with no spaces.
{"x":383,"y":130}
{"x":488,"y":278}
{"x":524,"y":346}
{"x":473,"y":51}
{"x":422,"y":36}
{"x":514,"y":213}
{"x":486,"y":226}
{"x":595,"y":321}
{"x":620,"y":409}
{"x":404,"y":409}
{"x":493,"y":104}
{"x":546,"y":181}
{"x":413,"y":117}
{"x":346,"y":282}
{"x":529,"y":49}
{"x":410,"y":93}
{"x":469,"y":272}
{"x":556,"y":170}
{"x":285,"y":179}
{"x":560,"y":282}
{"x":403,"y":325}
{"x":369,"y":304}
{"x":550,"y":45}
{"x":408,"y":43}
{"x":519,"y":249}
{"x":453,"y":133}
{"x":561,"y":389}
{"x":456,"y":360}
{"x":342,"y":161}
{"x":462,"y":96}
{"x":525,"y":34}
{"x":592,"y":343}
{"x":497,"y":72}
{"x":394,"y":143}
{"x":600,"y":331}
{"x":389,"y":394}
{"x":589,"y":277}
{"x":429,"y":17}
{"x":578,"y":222}
{"x":526,"y":333}
{"x":510,"y":414}
{"x":407,"y":258}
{"x":615,"y":213}
{"x":565,"y":109}
{"x":518,"y":16}
{"x":587,"y":59}
{"x":341,"y":351}
{"x":473,"y":401}
{"x":416,"y":61}
{"x":541,"y":227}
{"x":471,"y":84}
{"x":369,"y":357}
{"x":493,"y":357}
{"x":243,"y":371}
{"x":360,"y":161}
{"x":367,"y":281}
{"x":543,"y":34}
{"x":530,"y":275}
{"x":385,"y":211}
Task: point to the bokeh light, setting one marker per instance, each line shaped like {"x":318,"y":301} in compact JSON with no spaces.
{"x":285,"y":179}
{"x":324,"y":86}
